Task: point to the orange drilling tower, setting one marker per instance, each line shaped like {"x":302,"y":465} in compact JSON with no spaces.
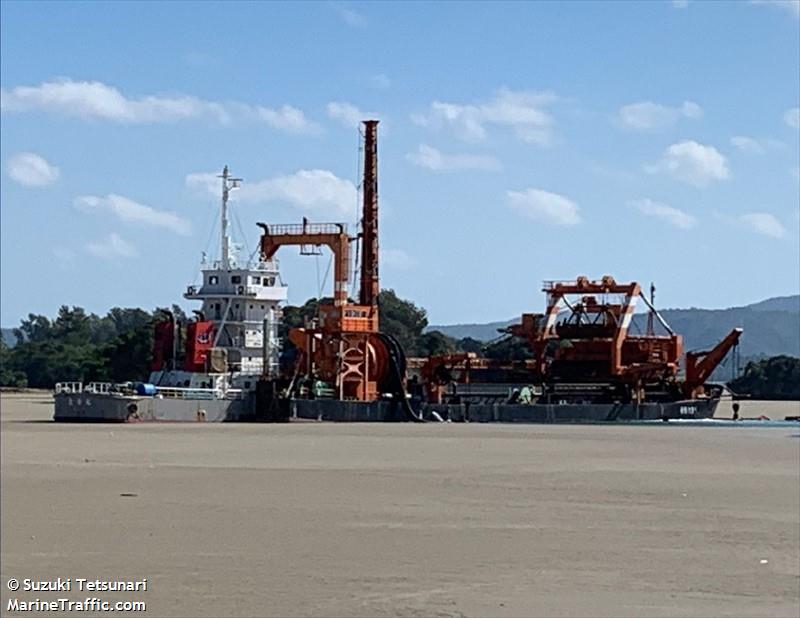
{"x":344,"y":348}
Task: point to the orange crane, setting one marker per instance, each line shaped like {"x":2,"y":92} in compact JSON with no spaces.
{"x":345,"y":348}
{"x":701,"y":364}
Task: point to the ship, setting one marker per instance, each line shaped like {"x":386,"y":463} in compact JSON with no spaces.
{"x":584,"y":363}
{"x":206,"y":369}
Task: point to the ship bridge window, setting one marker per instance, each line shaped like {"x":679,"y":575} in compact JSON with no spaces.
{"x":213,"y":280}
{"x":236,"y":279}
{"x":256,"y":280}
{"x":269,"y":281}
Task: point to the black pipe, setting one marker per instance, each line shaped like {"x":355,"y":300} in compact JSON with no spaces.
{"x":395,"y":384}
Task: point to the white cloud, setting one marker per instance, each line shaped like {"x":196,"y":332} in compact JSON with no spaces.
{"x":792,"y":117}
{"x":432,"y":159}
{"x":545,"y":206}
{"x":790,"y":6}
{"x":673,"y":216}
{"x":132,"y":212}
{"x":319,"y":192}
{"x":397,"y":259}
{"x":207,"y":182}
{"x":31,"y":170}
{"x":348,"y":114}
{"x":764,"y":223}
{"x":747,"y":144}
{"x":693,"y":163}
{"x":524,"y":112}
{"x":111,"y":247}
{"x":287,"y":118}
{"x":680,"y":4}
{"x":649,"y":115}
{"x":349,"y":16}
{"x":98,"y":101}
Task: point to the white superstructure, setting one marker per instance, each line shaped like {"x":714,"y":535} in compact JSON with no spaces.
{"x":242,"y":300}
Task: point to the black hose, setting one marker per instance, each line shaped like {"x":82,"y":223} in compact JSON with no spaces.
{"x":395,"y":383}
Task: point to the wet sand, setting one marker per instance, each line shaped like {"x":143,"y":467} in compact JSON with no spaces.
{"x":312,"y":519}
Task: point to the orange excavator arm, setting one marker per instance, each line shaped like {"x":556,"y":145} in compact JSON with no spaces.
{"x":700,"y":365}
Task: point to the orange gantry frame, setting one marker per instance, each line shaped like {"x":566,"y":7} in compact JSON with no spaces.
{"x":598,"y":343}
{"x":332,"y":235}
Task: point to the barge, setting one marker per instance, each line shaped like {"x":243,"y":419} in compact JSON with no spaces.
{"x":584,"y":363}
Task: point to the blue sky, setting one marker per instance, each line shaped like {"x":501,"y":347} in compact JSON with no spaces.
{"x":655,"y":141}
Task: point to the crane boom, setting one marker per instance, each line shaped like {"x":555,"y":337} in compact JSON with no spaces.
{"x":700,"y":365}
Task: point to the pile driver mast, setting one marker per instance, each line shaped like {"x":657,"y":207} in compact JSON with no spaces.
{"x":345,"y":349}
{"x":370,"y":281}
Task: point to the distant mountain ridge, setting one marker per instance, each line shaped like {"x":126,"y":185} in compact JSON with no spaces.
{"x":778,"y":303}
{"x":771,"y":327}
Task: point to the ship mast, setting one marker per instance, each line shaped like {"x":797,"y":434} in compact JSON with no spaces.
{"x":228,"y":183}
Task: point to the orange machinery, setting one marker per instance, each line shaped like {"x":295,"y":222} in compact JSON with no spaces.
{"x":594,"y":342}
{"x":588,"y":341}
{"x":439,"y":372}
{"x":344,"y":348}
{"x":701,"y":364}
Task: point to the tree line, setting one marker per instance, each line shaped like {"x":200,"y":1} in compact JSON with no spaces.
{"x":80,"y":346}
{"x":777,"y":377}
{"x":117,"y":347}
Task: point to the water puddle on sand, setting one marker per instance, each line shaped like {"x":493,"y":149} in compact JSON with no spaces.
{"x":718,"y":422}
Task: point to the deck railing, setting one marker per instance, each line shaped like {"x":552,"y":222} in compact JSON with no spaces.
{"x":297,"y":229}
{"x":69,"y":387}
{"x":97,"y":388}
{"x":171,"y":392}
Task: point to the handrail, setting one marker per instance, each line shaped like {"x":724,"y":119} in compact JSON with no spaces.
{"x":236,"y":289}
{"x":172,"y":392}
{"x":98,"y":387}
{"x":306,"y":228}
{"x":69,"y":387}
